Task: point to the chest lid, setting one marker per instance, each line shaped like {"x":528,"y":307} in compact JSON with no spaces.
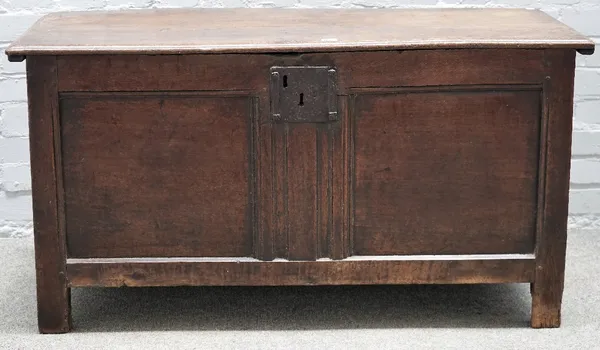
{"x":181,"y":31}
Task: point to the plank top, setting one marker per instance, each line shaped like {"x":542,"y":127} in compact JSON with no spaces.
{"x":178,"y":31}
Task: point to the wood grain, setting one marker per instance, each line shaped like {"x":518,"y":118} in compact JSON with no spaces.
{"x":53,"y":294}
{"x":303,"y":170}
{"x":437,"y":67}
{"x":127,"y":158}
{"x":264,"y":179}
{"x":339,"y":246}
{"x":185,"y":31}
{"x":301,"y":196}
{"x":446,"y":172}
{"x":324,"y":207}
{"x":161,"y":73}
{"x":354,"y":70}
{"x":551,"y":240}
{"x":118,"y":273}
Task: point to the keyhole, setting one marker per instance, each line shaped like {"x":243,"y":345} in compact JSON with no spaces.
{"x":285,"y":81}
{"x":301,"y":103}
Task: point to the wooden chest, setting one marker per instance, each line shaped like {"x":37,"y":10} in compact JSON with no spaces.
{"x":299,"y":147}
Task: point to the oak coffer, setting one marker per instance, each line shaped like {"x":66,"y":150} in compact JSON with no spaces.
{"x":299,"y":147}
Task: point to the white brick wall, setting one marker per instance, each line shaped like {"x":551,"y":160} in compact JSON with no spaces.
{"x":17,"y":15}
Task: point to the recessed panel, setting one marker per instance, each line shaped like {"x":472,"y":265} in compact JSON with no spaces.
{"x":445,"y":172}
{"x":157,"y":175}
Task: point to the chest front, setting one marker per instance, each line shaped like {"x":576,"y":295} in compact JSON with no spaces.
{"x":376,"y":155}
{"x":302,"y":157}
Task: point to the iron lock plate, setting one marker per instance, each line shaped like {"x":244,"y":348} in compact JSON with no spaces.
{"x":303,"y":94}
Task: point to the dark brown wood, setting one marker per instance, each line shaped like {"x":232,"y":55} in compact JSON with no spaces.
{"x":339,"y":244}
{"x":53,"y":294}
{"x":324,"y":183}
{"x":303,"y":164}
{"x":354,"y":70}
{"x":248,"y":272}
{"x":430,"y":152}
{"x":263,"y":153}
{"x":126,"y":159}
{"x":438,"y":67}
{"x":300,"y":194}
{"x":186,"y":31}
{"x":435,"y":172}
{"x":162,"y":73}
{"x":551,"y":242}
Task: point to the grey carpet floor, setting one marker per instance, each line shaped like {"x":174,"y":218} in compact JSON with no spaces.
{"x":368,"y":317}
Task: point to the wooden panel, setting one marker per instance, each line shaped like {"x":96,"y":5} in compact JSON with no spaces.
{"x":445,"y":172}
{"x":246,"y":272}
{"x":324,"y":181}
{"x":551,"y":237}
{"x":439,"y":67}
{"x":177,"y":31}
{"x":279,"y":171}
{"x":340,"y":245}
{"x":301,"y":195}
{"x":162,"y":73}
{"x":303,"y":168}
{"x":158,"y":174}
{"x":251,"y":72}
{"x":264,"y":181}
{"x":53,"y":295}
